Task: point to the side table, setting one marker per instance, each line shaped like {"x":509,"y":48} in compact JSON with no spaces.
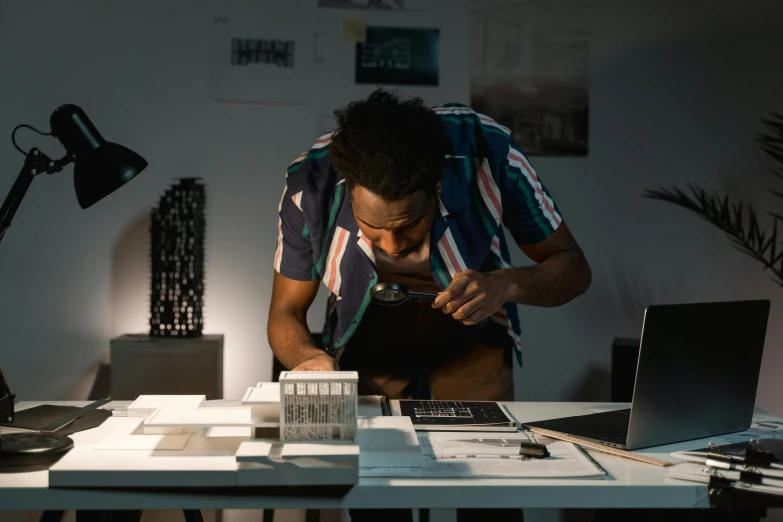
{"x":144,"y":365}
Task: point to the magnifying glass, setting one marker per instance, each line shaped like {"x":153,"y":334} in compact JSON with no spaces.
{"x":389,"y":294}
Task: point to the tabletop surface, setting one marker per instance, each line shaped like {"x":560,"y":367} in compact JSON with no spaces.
{"x":628,"y":484}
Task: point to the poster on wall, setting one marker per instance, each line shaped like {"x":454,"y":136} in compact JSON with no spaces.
{"x":398,"y":56}
{"x":529,"y":71}
{"x":387,"y":5}
{"x":252,"y":60}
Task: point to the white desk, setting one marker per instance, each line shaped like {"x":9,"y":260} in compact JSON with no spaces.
{"x":629,"y":484}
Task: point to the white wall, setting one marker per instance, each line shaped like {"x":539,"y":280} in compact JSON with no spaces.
{"x":677,"y":90}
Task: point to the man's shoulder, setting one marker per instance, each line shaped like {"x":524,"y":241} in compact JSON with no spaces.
{"x":312,"y":169}
{"x":458,"y":115}
{"x":455,"y":112}
{"x":463,"y":126}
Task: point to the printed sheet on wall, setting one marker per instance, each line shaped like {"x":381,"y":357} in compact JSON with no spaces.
{"x":381,"y":5}
{"x":262,"y":59}
{"x":529,"y":71}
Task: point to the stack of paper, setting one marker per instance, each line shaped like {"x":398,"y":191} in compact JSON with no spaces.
{"x":736,"y":478}
{"x":755,"y":464}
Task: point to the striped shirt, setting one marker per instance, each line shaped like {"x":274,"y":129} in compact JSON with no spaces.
{"x":488,"y":186}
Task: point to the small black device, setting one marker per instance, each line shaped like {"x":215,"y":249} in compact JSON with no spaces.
{"x":697,"y":377}
{"x":23,"y":452}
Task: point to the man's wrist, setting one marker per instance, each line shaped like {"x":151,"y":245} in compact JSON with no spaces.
{"x":305,"y":354}
{"x":312,"y":353}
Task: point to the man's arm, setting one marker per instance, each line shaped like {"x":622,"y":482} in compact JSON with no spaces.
{"x":561,"y":274}
{"x":289,"y":335}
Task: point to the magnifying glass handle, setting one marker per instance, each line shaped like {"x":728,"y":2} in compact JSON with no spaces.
{"x":421,"y":297}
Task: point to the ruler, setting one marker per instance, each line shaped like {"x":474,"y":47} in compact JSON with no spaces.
{"x":599,"y":447}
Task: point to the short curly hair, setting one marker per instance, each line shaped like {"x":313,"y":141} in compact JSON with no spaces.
{"x":390,"y":146}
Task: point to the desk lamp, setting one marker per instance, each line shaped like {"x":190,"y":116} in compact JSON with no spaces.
{"x":100,"y":168}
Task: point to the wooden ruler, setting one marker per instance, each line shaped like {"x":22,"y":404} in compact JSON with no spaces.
{"x":598,"y":447}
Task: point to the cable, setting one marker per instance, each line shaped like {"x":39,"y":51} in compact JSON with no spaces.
{"x":13,"y":135}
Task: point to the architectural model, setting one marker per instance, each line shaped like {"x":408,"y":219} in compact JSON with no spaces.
{"x":318,"y":406}
{"x":304,"y":430}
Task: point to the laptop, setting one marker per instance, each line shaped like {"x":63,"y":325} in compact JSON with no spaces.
{"x":696,"y":377}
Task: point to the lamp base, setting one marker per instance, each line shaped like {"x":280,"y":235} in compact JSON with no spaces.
{"x":22,"y":452}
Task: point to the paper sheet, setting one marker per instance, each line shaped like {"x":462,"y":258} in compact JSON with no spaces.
{"x":768,"y":423}
{"x":530,"y":71}
{"x":265,"y":56}
{"x":753,"y":433}
{"x":354,"y":30}
{"x":482,"y":446}
{"x":454,"y":455}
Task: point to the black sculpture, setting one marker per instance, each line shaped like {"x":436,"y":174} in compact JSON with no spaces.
{"x":177,"y":261}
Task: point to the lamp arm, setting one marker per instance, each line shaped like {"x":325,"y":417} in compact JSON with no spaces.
{"x":36,"y":162}
{"x":7,"y":397}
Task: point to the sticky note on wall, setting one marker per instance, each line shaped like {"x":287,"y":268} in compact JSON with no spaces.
{"x":355,"y":30}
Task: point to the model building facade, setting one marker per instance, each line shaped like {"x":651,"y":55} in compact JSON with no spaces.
{"x":318,"y":406}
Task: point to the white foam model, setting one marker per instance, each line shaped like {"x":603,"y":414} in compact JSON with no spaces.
{"x":188,"y":441}
{"x":388,"y":442}
{"x":199,"y":418}
{"x":318,"y":406}
{"x":272,"y":463}
{"x":153,"y":402}
{"x":146,"y":405}
{"x":264,"y":402}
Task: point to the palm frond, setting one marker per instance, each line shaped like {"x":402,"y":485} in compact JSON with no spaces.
{"x":772,"y":144}
{"x":739,"y":222}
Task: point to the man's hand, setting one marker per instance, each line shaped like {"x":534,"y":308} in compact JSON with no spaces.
{"x":319,"y":363}
{"x":473,"y":296}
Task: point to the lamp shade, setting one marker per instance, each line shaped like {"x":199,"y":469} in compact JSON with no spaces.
{"x":100,"y":167}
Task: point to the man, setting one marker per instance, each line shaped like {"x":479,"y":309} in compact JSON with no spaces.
{"x":403,"y":193}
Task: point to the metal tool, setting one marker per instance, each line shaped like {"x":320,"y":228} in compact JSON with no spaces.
{"x":390,"y":294}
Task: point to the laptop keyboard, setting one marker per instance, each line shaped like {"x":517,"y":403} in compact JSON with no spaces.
{"x":616,"y":434}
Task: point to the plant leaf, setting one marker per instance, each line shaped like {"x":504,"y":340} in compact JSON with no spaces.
{"x":739,"y":222}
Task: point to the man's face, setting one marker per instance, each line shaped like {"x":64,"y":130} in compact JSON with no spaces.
{"x":397,"y":228}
